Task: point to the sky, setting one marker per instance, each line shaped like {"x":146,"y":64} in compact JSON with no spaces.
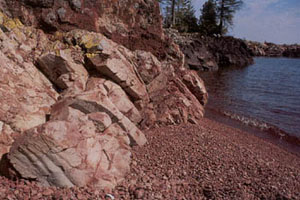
{"x":276,"y":21}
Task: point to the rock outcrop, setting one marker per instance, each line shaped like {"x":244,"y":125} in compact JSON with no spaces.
{"x":292,"y":51}
{"x":133,"y":24}
{"x":26,"y":94}
{"x":273,"y":50}
{"x":210,"y":53}
{"x":206,"y":53}
{"x":80,"y":81}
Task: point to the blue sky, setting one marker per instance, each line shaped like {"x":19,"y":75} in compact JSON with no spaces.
{"x":275,"y":21}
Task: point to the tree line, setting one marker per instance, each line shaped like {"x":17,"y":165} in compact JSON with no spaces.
{"x":216,"y":15}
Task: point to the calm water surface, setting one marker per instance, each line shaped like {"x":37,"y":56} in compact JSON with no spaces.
{"x":265,"y":94}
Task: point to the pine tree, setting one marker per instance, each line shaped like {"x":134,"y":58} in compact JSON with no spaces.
{"x":168,"y":14}
{"x":173,"y":17}
{"x":226,"y":10}
{"x":208,"y":19}
{"x":186,"y":20}
{"x":179,"y":14}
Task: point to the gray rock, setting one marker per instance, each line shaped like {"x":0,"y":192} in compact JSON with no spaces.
{"x":61,"y":13}
{"x":75,"y":4}
{"x":50,"y":18}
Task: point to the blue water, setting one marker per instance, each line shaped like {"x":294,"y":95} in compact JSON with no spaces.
{"x":267,"y":91}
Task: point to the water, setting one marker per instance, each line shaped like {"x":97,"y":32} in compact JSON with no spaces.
{"x":265,"y":95}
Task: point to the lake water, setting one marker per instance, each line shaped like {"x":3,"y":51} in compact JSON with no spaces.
{"x":264,"y":95}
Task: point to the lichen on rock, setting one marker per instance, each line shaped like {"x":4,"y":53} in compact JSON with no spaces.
{"x":76,"y":98}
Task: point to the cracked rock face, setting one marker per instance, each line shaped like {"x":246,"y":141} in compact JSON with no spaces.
{"x":26,"y":94}
{"x":73,"y":103}
{"x":62,"y":70}
{"x":136,"y":24}
{"x":69,"y":153}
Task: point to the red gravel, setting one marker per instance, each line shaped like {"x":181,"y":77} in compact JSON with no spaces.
{"x":211,"y":161}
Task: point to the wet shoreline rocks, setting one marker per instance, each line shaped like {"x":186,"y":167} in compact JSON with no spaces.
{"x":210,"y":53}
{"x":267,"y":49}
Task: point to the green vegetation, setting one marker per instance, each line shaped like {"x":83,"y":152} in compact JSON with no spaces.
{"x":226,"y":9}
{"x":216,"y":15}
{"x":179,"y":14}
{"x":208,"y":19}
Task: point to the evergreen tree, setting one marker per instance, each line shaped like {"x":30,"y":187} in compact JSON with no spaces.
{"x":173,"y":17}
{"x":179,"y":14}
{"x":208,"y":19}
{"x":226,"y":10}
{"x":186,"y":20}
{"x":168,"y":15}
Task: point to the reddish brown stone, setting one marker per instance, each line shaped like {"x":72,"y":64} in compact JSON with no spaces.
{"x":134,"y":24}
{"x":77,"y":122}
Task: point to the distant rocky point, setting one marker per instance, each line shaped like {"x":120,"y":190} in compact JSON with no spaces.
{"x":206,"y":53}
{"x":209,"y":53}
{"x":273,"y":50}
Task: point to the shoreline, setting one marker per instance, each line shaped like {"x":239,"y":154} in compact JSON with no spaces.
{"x":213,"y":161}
{"x":206,"y":161}
{"x":284,"y":142}
{"x":80,"y":91}
{"x":270,"y":124}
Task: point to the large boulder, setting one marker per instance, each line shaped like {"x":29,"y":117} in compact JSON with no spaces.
{"x":148,"y":66}
{"x":68,"y":153}
{"x":62,"y":70}
{"x":86,"y":141}
{"x":172,"y":104}
{"x":118,"y":97}
{"x":196,"y":85}
{"x":116,"y":66}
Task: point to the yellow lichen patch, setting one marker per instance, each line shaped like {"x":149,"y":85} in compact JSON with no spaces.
{"x":18,"y":23}
{"x":57,"y":52}
{"x":88,"y":41}
{"x":55,"y":46}
{"x":89,"y":44}
{"x":90,"y":55}
{"x":1,"y":17}
{"x":9,"y":23}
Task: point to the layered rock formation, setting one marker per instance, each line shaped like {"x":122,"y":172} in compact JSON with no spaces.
{"x":210,"y":53}
{"x":273,"y":50}
{"x":74,"y":102}
{"x":134,"y":24}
